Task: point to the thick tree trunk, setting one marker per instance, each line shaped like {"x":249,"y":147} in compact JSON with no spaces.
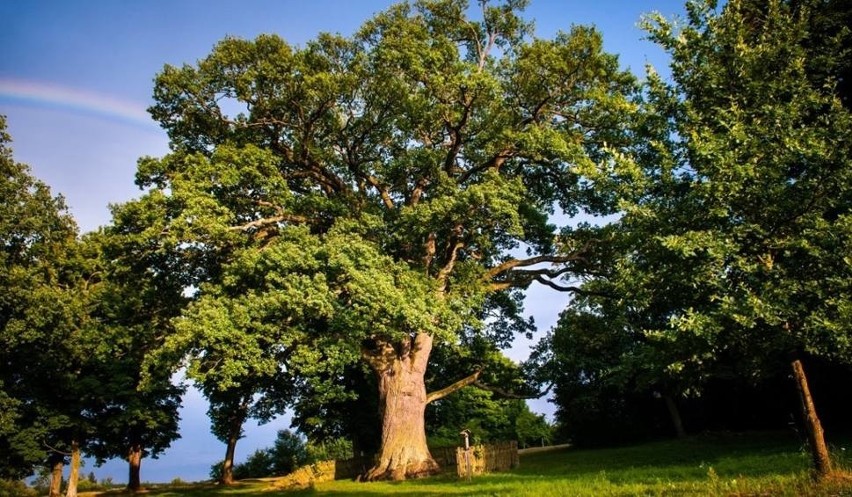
{"x":674,"y":413}
{"x":813,"y":427}
{"x":401,"y":368}
{"x":74,"y":475}
{"x":134,"y":460}
{"x":57,"y":464}
{"x":228,"y":464}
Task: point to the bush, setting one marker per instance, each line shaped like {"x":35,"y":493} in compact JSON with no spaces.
{"x":288,"y":453}
{"x":338,"y":449}
{"x":258,"y":465}
{"x":14,"y":488}
{"x":216,"y":471}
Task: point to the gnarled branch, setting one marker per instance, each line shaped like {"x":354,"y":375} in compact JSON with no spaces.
{"x":266,"y":221}
{"x":532,"y":261}
{"x":440,"y":394}
{"x":496,"y":162}
{"x":511,"y":395}
{"x":445,"y":271}
{"x":568,"y":288}
{"x":382,"y":189}
{"x":417,"y":192}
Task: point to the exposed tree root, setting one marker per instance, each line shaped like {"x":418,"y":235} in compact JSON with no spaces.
{"x":390,"y":470}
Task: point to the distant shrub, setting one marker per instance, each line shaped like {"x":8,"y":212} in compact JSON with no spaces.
{"x":338,"y":449}
{"x":13,"y":488}
{"x":91,"y":484}
{"x":287,"y":454}
{"x":216,"y":471}
{"x":258,"y":465}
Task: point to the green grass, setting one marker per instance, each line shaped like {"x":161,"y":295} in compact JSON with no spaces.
{"x":755,"y":464}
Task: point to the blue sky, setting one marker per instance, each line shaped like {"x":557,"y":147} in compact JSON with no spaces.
{"x":76,"y":78}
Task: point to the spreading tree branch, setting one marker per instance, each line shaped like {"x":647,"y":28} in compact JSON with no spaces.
{"x":511,"y":264}
{"x":382,"y":189}
{"x":496,"y":162}
{"x":259,"y":223}
{"x":511,"y":395}
{"x":473,"y":379}
{"x":445,"y":271}
{"x":573,"y":289}
{"x":440,"y":394}
{"x":54,"y":449}
{"x":417,"y":192}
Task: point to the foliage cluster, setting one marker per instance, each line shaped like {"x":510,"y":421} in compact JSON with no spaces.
{"x":730,"y":261}
{"x":77,"y":316}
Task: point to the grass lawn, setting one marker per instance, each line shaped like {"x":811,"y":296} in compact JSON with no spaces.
{"x":754,"y":464}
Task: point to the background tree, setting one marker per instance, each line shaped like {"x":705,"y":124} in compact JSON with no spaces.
{"x":47,"y":369}
{"x":390,"y":174}
{"x":37,"y":233}
{"x":136,"y":302}
{"x":352,"y":416}
{"x":288,"y":452}
{"x":753,"y":150}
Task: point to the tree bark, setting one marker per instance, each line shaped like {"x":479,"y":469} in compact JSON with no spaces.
{"x":74,"y":475}
{"x":400,"y":369}
{"x":813,"y":427}
{"x":236,"y":417}
{"x":134,"y":460}
{"x":228,"y":464}
{"x":57,"y":464}
{"x":674,"y":413}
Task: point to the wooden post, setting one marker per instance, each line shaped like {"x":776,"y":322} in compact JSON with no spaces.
{"x":466,"y":435}
{"x":813,"y":427}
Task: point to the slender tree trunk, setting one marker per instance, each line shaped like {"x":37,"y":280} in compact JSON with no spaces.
{"x":674,"y":413}
{"x":134,"y":460}
{"x":228,"y":464}
{"x":401,"y":368}
{"x":74,"y":475}
{"x":237,"y":416}
{"x":57,"y":464}
{"x":813,"y":427}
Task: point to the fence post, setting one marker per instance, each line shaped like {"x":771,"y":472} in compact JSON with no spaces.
{"x":466,"y":435}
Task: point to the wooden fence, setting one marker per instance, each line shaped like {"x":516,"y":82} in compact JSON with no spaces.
{"x":445,"y":457}
{"x":481,"y":459}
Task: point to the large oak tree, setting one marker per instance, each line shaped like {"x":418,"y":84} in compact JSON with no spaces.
{"x":362,"y":197}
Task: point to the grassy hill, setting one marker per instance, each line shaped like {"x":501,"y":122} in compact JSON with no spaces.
{"x":755,"y":464}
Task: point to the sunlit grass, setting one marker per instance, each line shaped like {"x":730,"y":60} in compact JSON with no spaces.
{"x":762,"y":464}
